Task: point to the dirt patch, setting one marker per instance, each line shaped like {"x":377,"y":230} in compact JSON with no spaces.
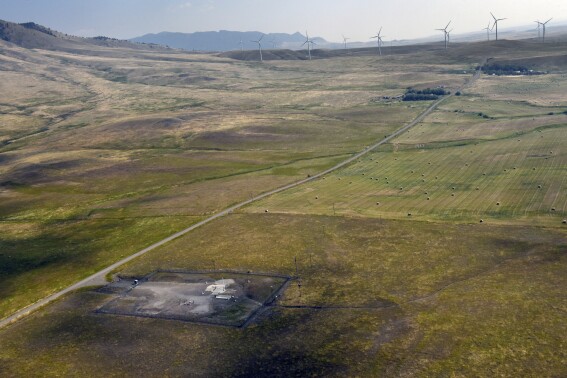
{"x":228,"y":299}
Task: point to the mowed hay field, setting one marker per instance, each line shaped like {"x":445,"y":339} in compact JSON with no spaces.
{"x":473,"y":159}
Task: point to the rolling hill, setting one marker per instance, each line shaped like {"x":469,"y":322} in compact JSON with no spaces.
{"x":33,"y":36}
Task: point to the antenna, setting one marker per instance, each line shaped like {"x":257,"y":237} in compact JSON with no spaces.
{"x":309,"y":43}
{"x":379,"y":41}
{"x":259,"y":42}
{"x":496,"y":23}
{"x":544,"y":24}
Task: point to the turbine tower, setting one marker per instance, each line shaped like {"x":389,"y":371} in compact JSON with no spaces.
{"x":345,"y":39}
{"x":259,"y":42}
{"x":496,"y":23}
{"x":241,"y":46}
{"x":379,"y":41}
{"x":488,"y":29}
{"x":544,"y":24}
{"x":445,"y":34}
{"x":539,"y":24}
{"x":309,"y":43}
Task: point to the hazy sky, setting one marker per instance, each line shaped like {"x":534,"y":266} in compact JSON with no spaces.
{"x":357,"y":19}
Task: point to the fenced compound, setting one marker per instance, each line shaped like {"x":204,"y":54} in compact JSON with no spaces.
{"x":225,"y":298}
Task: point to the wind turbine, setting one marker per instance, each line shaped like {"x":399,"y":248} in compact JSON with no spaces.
{"x":309,"y":43}
{"x":345,"y":39}
{"x":274,"y":43}
{"x":379,"y":41}
{"x":496,"y":23}
{"x":445,"y":34}
{"x":241,"y":46}
{"x":539,"y":24}
{"x":488,"y":29}
{"x":544,"y":26}
{"x":449,"y":35}
{"x":259,"y":42}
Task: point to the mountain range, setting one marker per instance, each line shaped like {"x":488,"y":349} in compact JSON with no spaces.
{"x":225,"y":40}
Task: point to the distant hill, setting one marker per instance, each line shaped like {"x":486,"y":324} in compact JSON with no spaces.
{"x":225,"y":40}
{"x":33,"y":36}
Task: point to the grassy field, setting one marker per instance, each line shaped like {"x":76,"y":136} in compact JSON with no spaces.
{"x":512,"y":179}
{"x":378,"y":297}
{"x":103,"y":153}
{"x":102,"y":144}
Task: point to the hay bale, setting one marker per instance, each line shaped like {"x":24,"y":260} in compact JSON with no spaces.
{"x":428,"y":198}
{"x":497,"y":203}
{"x":409,"y":214}
{"x":452,"y":194}
{"x":539,"y":186}
{"x":482,"y":221}
{"x":564,"y":221}
{"x":266,"y":210}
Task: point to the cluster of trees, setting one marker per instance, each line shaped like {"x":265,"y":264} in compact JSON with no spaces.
{"x":509,"y":69}
{"x":103,"y":38}
{"x":34,"y":26}
{"x":424,"y":94}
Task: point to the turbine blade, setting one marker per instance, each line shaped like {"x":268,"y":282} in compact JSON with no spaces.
{"x":548,"y":20}
{"x":448,"y":25}
{"x":492,"y":16}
